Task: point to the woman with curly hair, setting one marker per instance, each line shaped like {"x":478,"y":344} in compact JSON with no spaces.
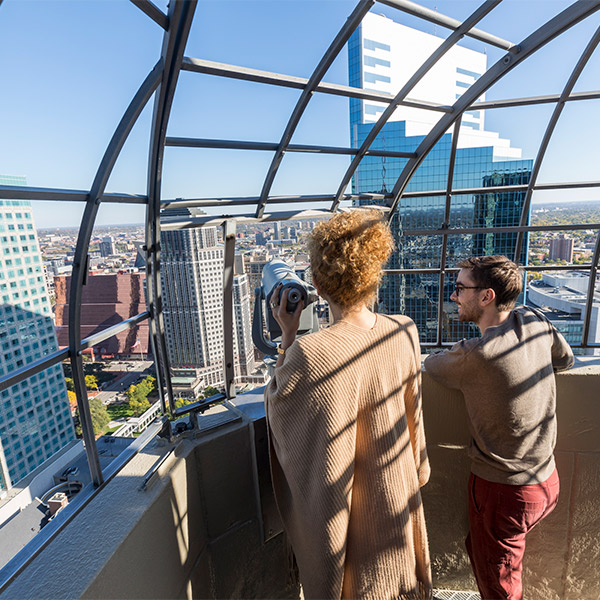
{"x":347,"y":445}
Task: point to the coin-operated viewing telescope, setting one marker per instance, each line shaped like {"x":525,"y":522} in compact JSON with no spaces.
{"x":274,"y":273}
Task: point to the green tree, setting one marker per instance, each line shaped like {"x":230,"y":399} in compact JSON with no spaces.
{"x":210,"y":391}
{"x":70,"y":384}
{"x":138,"y":395}
{"x":181,"y":402}
{"x":91,"y":382}
{"x":72,"y":399}
{"x":139,"y":407}
{"x":131,"y":392}
{"x":100,"y":417}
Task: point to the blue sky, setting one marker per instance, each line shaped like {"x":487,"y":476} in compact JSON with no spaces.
{"x":70,"y":67}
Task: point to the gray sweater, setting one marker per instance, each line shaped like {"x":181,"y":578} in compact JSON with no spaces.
{"x":507,"y":379}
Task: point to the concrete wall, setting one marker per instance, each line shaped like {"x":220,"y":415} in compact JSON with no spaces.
{"x":195,"y":532}
{"x":563,"y":552}
{"x":207,"y":527}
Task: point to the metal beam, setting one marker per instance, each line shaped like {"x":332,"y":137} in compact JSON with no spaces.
{"x":252,"y":200}
{"x":228,"y":332}
{"x":590,"y":292}
{"x":14,"y":192}
{"x":38,"y":366}
{"x":416,"y":10}
{"x":80,"y":262}
{"x":107,"y":333}
{"x":246,"y":200}
{"x":455,"y":135}
{"x":150,"y":9}
{"x":577,"y":70}
{"x":180,"y":142}
{"x":181,"y":13}
{"x":575,"y":13}
{"x":513,"y":229}
{"x":338,"y":43}
{"x":42,"y":364}
{"x":209,"y":67}
{"x":217,"y":221}
{"x":417,"y":76}
{"x":417,"y":271}
{"x":533,"y":100}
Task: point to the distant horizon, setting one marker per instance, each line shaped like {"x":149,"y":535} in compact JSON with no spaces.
{"x":108,"y":226}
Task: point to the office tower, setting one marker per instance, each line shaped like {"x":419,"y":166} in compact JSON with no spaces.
{"x":35,"y":418}
{"x":561,"y":248}
{"x":254,"y":263}
{"x":107,"y":246}
{"x":238,"y":264}
{"x":140,"y":259}
{"x":276,"y":230}
{"x":244,"y":347}
{"x":192,"y":284}
{"x":382,"y":56}
{"x":261,"y":240}
{"x":107,"y":299}
{"x":562,"y":295}
{"x":4,"y":476}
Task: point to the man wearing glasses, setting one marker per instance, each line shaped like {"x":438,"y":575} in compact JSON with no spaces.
{"x":507,"y":379}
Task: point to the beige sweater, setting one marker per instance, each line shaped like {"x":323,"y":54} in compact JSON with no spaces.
{"x":348,"y":458}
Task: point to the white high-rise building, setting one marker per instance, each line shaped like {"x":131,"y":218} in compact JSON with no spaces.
{"x":244,"y":347}
{"x":385,"y":54}
{"x":563,"y":296}
{"x":35,"y":417}
{"x":192,"y":284}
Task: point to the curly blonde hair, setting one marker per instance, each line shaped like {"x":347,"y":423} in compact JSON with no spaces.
{"x":347,"y":254}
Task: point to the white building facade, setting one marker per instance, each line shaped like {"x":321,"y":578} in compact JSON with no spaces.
{"x":35,"y":417}
{"x":389,"y":53}
{"x":192,"y":284}
{"x":562,"y":295}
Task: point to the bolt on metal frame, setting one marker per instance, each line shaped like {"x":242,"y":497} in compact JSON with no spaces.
{"x":162,"y":81}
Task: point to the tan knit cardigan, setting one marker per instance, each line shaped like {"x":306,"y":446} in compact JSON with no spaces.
{"x":348,"y":458}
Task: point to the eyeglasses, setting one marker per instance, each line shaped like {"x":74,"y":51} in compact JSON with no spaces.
{"x":459,"y":287}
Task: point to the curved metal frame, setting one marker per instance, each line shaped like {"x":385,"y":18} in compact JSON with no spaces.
{"x":435,"y":56}
{"x":550,"y":30}
{"x":181,"y":13}
{"x":165,"y":75}
{"x":334,"y":49}
{"x":581,"y":63}
{"x":79,"y":272}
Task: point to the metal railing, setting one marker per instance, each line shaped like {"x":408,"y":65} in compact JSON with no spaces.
{"x":161,"y":84}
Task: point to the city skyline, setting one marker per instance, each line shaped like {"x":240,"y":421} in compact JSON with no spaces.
{"x":37,"y":150}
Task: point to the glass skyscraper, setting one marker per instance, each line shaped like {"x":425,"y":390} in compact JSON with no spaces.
{"x":35,"y":418}
{"x":482,"y":160}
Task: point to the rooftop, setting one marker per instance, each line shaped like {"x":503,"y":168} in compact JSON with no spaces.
{"x":249,"y":124}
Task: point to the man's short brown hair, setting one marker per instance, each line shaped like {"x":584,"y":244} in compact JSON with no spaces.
{"x":498,"y":273}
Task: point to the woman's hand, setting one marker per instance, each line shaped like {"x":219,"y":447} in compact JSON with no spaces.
{"x":289,"y":322}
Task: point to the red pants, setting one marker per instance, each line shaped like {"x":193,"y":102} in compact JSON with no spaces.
{"x":500,"y":516}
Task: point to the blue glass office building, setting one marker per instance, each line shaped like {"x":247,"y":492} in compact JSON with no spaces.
{"x":417,"y":295}
{"x":35,"y":418}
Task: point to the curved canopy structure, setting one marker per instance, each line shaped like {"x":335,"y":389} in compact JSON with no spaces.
{"x":160,"y":85}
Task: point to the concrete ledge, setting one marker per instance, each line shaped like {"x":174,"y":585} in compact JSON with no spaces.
{"x":195,"y":532}
{"x":206,"y":527}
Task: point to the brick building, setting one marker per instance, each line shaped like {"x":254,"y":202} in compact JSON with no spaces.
{"x":107,"y":300}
